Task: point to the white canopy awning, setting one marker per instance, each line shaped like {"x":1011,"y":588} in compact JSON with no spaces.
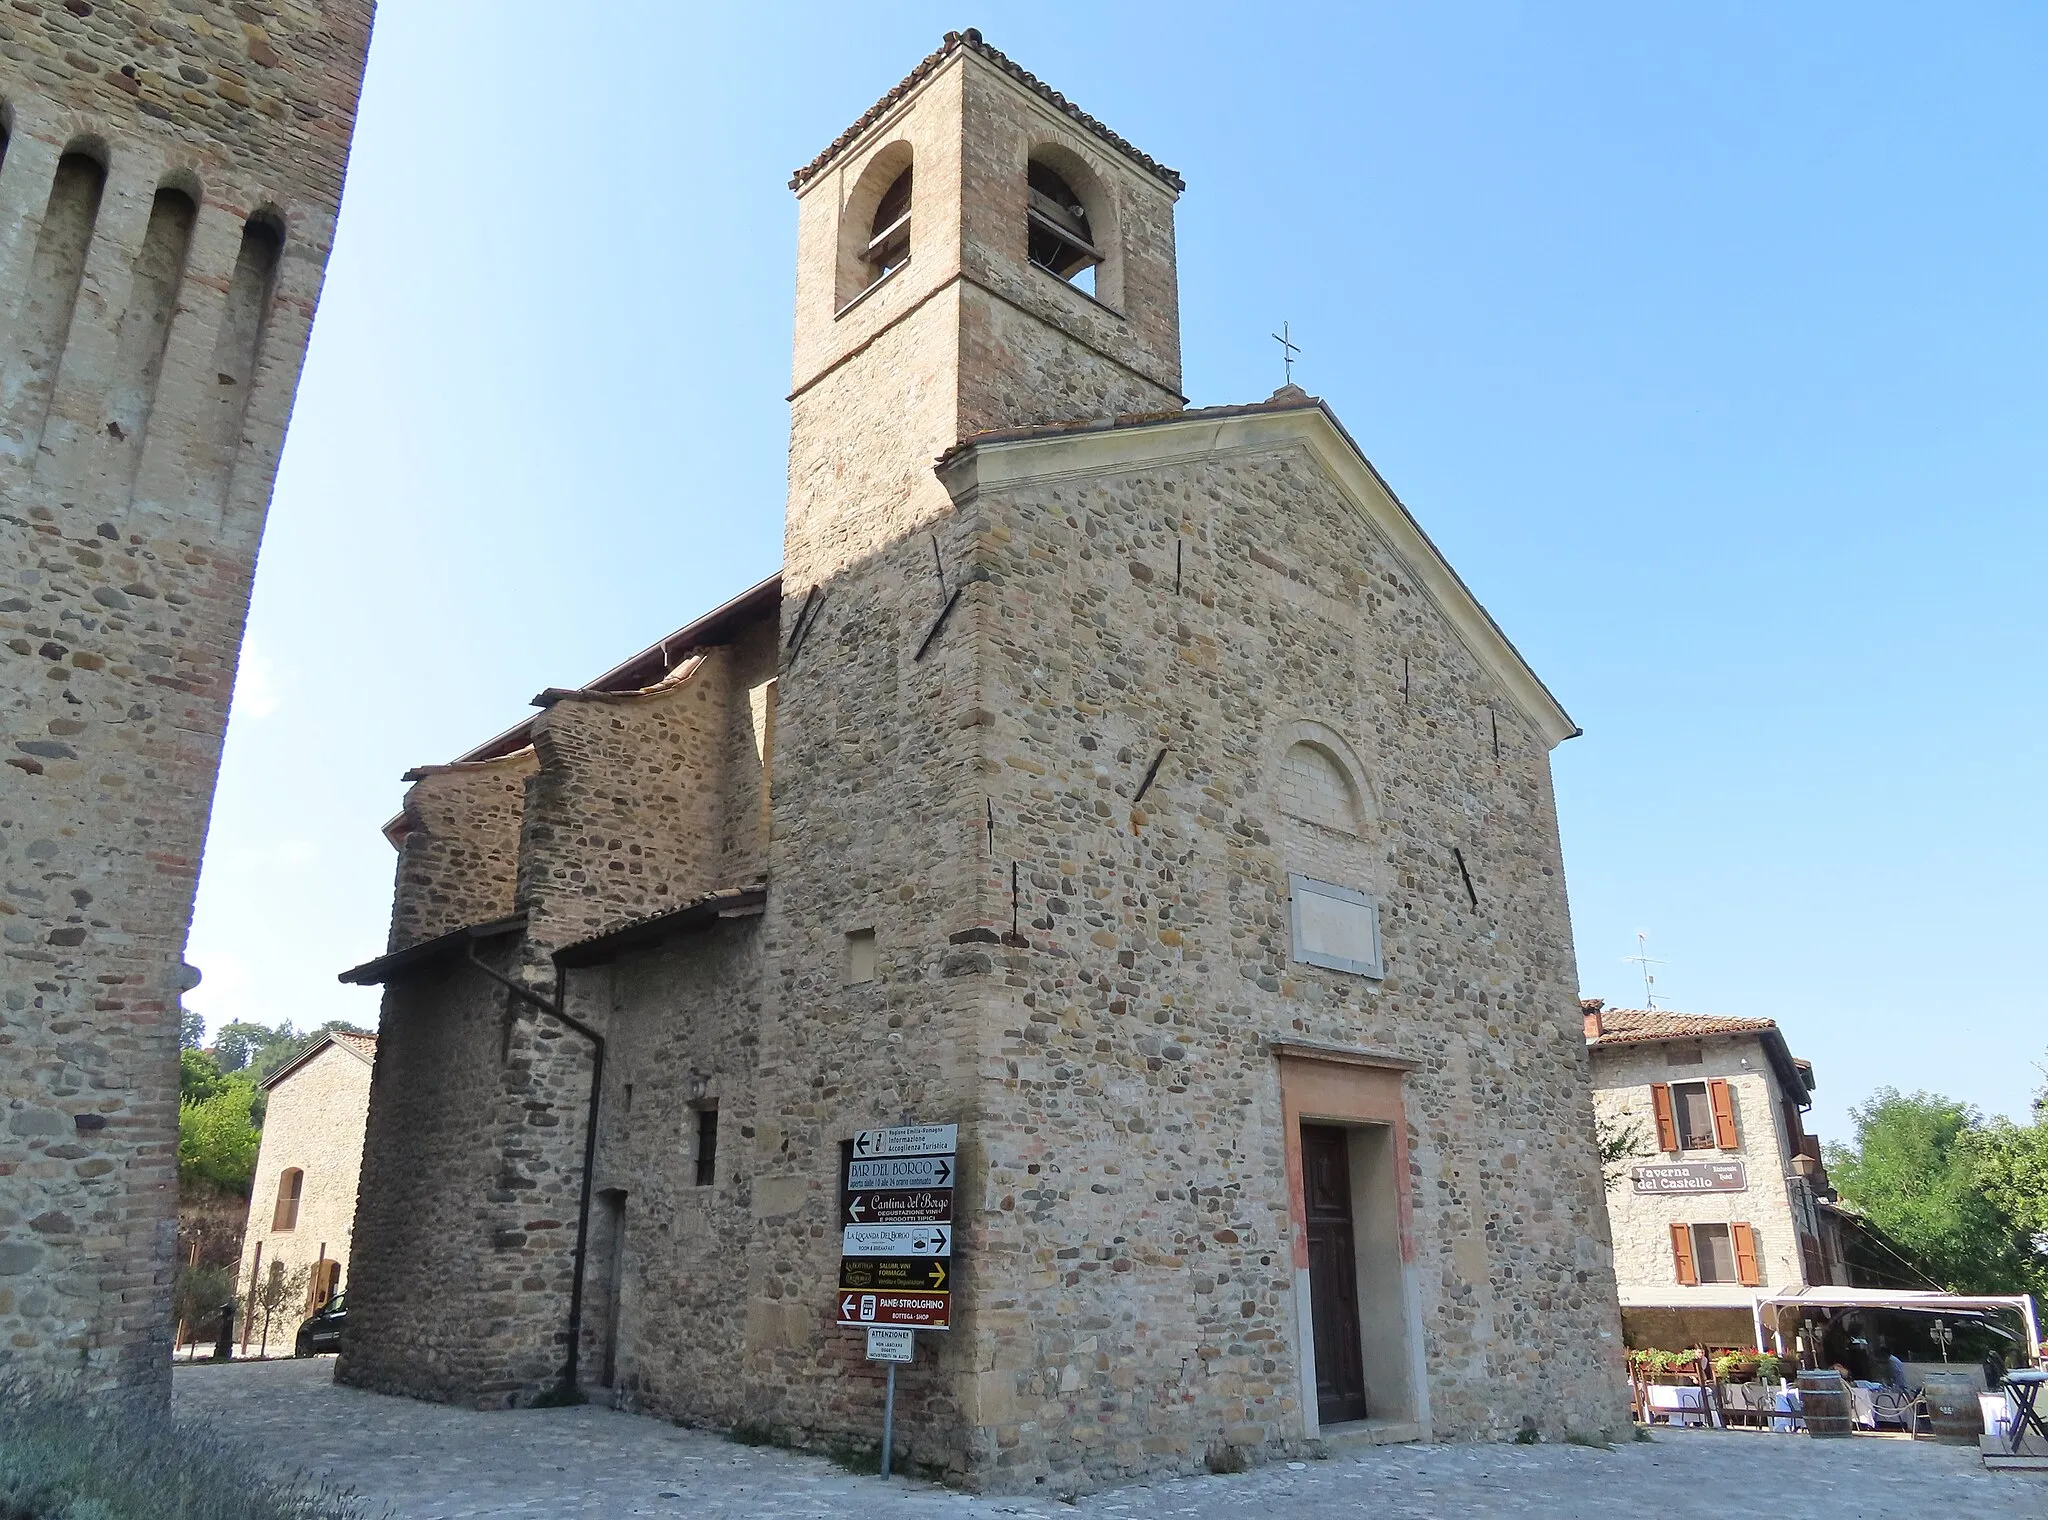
{"x":1898,"y":1298}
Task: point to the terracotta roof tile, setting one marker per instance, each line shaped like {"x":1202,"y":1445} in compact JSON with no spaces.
{"x":970,"y":40}
{"x":1624,"y":1026}
{"x":361,"y":1044}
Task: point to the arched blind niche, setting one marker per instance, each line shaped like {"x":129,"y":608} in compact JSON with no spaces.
{"x":1329,"y":835}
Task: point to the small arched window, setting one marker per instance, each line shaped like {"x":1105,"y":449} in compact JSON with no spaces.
{"x":289,"y":1188}
{"x":1060,"y":240}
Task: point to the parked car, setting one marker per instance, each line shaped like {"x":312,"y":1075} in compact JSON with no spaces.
{"x":322,"y":1331}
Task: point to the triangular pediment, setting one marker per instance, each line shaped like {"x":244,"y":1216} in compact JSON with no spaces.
{"x":1309,"y":428}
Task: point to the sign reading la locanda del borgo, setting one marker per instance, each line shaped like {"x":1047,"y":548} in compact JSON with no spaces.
{"x":1691,"y":1177}
{"x":896,"y":1242}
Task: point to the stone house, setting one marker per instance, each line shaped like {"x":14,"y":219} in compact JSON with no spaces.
{"x":1135,"y":786}
{"x":1729,"y":1195}
{"x":302,"y":1200}
{"x":170,"y":172}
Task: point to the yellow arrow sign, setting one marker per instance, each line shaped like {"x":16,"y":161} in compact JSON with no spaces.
{"x":938,"y":1274}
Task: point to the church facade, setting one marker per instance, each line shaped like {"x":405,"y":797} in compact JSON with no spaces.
{"x":1135,"y":786}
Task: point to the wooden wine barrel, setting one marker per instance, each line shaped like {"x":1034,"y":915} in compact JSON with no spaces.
{"x":1953,"y":1413}
{"x":1825,"y":1404}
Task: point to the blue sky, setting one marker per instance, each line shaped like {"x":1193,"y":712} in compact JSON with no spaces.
{"x":1710,"y":344}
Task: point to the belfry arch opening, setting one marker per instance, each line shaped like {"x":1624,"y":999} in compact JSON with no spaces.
{"x":874,"y":240}
{"x":1061,"y":237}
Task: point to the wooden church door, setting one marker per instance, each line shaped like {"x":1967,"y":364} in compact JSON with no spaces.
{"x":1332,"y":1273}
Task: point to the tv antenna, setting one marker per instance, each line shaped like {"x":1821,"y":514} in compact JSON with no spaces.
{"x":1643,"y":961}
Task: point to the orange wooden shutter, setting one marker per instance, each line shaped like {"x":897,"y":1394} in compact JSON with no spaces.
{"x":1723,"y":1101}
{"x":1681,"y":1253}
{"x":1746,"y":1271}
{"x":1667,"y":1121}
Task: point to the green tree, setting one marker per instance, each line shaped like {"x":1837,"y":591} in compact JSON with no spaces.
{"x":1917,"y":1171}
{"x":1623,"y":1141}
{"x":282,"y":1290}
{"x":217,"y":1138}
{"x":256,"y":1048}
{"x":191,"y":1030}
{"x":259,"y":1049}
{"x":197,"y":1296}
{"x":2014,"y":1158}
{"x":199,"y":1075}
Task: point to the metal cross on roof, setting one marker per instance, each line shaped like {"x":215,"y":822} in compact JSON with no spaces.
{"x":1288,"y":349}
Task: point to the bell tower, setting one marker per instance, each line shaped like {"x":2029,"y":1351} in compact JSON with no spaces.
{"x":974,"y":253}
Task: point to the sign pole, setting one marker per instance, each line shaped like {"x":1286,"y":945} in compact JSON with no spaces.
{"x":889,"y":1422}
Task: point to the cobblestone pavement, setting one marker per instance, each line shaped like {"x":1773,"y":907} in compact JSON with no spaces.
{"x":431,"y":1462}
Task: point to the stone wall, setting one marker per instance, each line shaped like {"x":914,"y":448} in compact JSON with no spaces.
{"x":313,"y":1122}
{"x":167,"y":199}
{"x":1775,"y":1203}
{"x":423,"y":1264}
{"x":634,"y":803}
{"x":458,"y":857}
{"x":682,"y":1022}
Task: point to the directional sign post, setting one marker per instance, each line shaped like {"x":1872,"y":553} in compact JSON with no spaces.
{"x":901,"y":1172}
{"x":899,"y":1206}
{"x":907,"y":1140}
{"x":898,"y":1240}
{"x":896,"y":1245}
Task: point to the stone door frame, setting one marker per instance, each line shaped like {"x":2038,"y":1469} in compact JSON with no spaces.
{"x":1362,"y":1091}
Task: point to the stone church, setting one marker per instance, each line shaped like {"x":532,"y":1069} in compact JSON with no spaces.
{"x":1135,"y":786}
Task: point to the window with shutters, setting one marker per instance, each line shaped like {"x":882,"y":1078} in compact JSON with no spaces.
{"x":1715,"y":1253}
{"x":289,"y":1188}
{"x":1694,"y":1116}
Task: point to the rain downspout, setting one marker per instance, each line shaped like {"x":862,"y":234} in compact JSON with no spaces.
{"x":566,"y":1389}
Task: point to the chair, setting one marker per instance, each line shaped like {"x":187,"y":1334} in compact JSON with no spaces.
{"x":1897,"y":1406}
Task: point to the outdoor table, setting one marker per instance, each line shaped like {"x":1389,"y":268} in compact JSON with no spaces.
{"x":2025,"y":1387}
{"x":1679,"y":1404}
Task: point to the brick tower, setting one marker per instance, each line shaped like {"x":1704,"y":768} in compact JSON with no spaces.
{"x":921,"y":320}
{"x":169,"y":178}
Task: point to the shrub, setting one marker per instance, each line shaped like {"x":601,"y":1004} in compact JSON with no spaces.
{"x":217,"y":1138}
{"x":196,"y":1300}
{"x":71,"y":1458}
{"x":1651,"y":1362}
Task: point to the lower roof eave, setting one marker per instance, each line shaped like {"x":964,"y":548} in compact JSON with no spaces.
{"x":647,"y":933}
{"x":399,"y":963}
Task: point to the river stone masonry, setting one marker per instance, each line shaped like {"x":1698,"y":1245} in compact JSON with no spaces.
{"x":169,"y":178}
{"x":1066,"y":700}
